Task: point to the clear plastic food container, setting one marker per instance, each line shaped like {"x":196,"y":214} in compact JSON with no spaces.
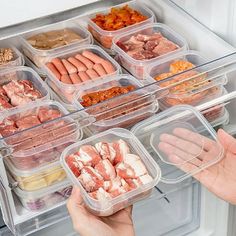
{"x":14,"y":93}
{"x":118,"y":111}
{"x":110,"y":206}
{"x":39,"y":56}
{"x":137,"y":67}
{"x":30,"y":64}
{"x":41,"y":144}
{"x":17,"y":57}
{"x":104,"y":37}
{"x":38,"y":178}
{"x":166,"y":136}
{"x":66,"y":91}
{"x":45,"y":198}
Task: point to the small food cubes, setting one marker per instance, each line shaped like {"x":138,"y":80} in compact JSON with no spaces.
{"x":106,"y":24}
{"x":144,"y":45}
{"x":20,"y":86}
{"x":112,"y":170}
{"x":70,"y":70}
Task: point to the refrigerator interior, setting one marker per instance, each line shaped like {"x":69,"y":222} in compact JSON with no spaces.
{"x":181,"y":205}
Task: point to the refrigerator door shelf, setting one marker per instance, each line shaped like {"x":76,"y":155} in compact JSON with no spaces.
{"x":166,"y":12}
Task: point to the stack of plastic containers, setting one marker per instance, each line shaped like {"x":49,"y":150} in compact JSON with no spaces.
{"x":33,"y":164}
{"x":191,"y":87}
{"x":38,"y":54}
{"x":149,"y":142}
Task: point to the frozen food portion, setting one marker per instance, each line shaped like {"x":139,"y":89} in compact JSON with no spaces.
{"x":99,"y":96}
{"x":6,"y":55}
{"x":116,"y":171}
{"x":37,"y":201}
{"x":145,"y":47}
{"x":118,"y":18}
{"x":53,"y":39}
{"x":80,"y":68}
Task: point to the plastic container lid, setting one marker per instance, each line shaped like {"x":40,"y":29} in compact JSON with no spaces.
{"x":39,"y":56}
{"x":18,"y":59}
{"x":40,"y":137}
{"x":67,"y":90}
{"x":110,"y":113}
{"x":108,"y":207}
{"x":137,"y":67}
{"x":24,"y":73}
{"x":178,"y":139}
{"x":104,"y":37}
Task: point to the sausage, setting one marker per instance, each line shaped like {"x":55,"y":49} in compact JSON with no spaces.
{"x":109,"y":68}
{"x":60,"y":67}
{"x":89,"y":64}
{"x":54,"y":70}
{"x":66,"y":79}
{"x":78,"y":64}
{"x":69,"y":67}
{"x":92,"y":56}
{"x":83,"y":76}
{"x":75,"y":78}
{"x":99,"y":69}
{"x":92,"y":74}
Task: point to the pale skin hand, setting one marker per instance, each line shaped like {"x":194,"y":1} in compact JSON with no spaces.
{"x":220,"y":179}
{"x":87,"y":224}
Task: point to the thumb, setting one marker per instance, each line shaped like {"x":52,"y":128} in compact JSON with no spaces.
{"x":227,"y":141}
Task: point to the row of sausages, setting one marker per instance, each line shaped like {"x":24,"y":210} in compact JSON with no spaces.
{"x":80,"y":68}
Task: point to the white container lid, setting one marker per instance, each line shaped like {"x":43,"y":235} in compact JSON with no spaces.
{"x":178,"y":139}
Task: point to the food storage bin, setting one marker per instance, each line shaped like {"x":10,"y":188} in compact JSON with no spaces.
{"x":104,"y":37}
{"x":30,"y":64}
{"x":66,"y":91}
{"x":45,"y":198}
{"x":39,"y":56}
{"x":137,"y":67}
{"x":17,"y":57}
{"x":21,"y":73}
{"x":119,"y":111}
{"x":166,"y":136}
{"x":110,"y":206}
{"x":38,"y":178}
{"x":40,"y":144}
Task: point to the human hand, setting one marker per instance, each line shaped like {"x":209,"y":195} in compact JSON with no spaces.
{"x":220,"y":178}
{"x":87,"y":224}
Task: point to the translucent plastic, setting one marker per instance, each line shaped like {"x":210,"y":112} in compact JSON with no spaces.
{"x":45,"y":198}
{"x":18,"y":59}
{"x":108,"y":207}
{"x":107,"y":118}
{"x":24,"y":73}
{"x":66,"y":91}
{"x":166,"y":136}
{"x":42,"y":145}
{"x":137,"y":67}
{"x":104,"y":37}
{"x":38,"y":178}
{"x":39,"y":56}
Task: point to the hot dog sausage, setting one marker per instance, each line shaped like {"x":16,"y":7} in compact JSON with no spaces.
{"x":83,"y":76}
{"x":92,"y":74}
{"x":89,"y":64}
{"x":99,"y":69}
{"x":60,"y":67}
{"x":69,"y":67}
{"x":54,"y":70}
{"x":66,"y":79}
{"x":78,"y":64}
{"x":75,"y":78}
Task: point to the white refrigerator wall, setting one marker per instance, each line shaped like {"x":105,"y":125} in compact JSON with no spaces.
{"x":219,"y":16}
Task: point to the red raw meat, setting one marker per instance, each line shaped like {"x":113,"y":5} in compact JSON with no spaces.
{"x":89,"y":155}
{"x":27,"y":122}
{"x":125,"y":171}
{"x":4,"y":104}
{"x":121,"y":148}
{"x":100,"y":195}
{"x":46,"y":114}
{"x":164,"y":47}
{"x":117,"y":192}
{"x":33,"y":94}
{"x":13,"y":87}
{"x":106,"y":169}
{"x":112,"y":185}
{"x":150,"y":45}
{"x":74,"y":164}
{"x":19,"y":99}
{"x":90,"y":179}
{"x":145,"y":38}
{"x":106,"y":151}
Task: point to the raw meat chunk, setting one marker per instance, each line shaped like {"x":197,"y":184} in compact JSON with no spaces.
{"x":164,"y":47}
{"x":125,"y":171}
{"x":121,"y":148}
{"x":27,"y":122}
{"x":112,"y":185}
{"x":46,"y":114}
{"x":106,"y":169}
{"x":89,"y":155}
{"x":90,"y":179}
{"x":100,"y":195}
{"x":75,"y":164}
{"x":106,"y":151}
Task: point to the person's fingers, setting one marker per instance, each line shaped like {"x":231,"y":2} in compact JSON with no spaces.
{"x":194,"y":137}
{"x":183,"y":156}
{"x":182,"y":144}
{"x":227,"y":141}
{"x":77,"y":211}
